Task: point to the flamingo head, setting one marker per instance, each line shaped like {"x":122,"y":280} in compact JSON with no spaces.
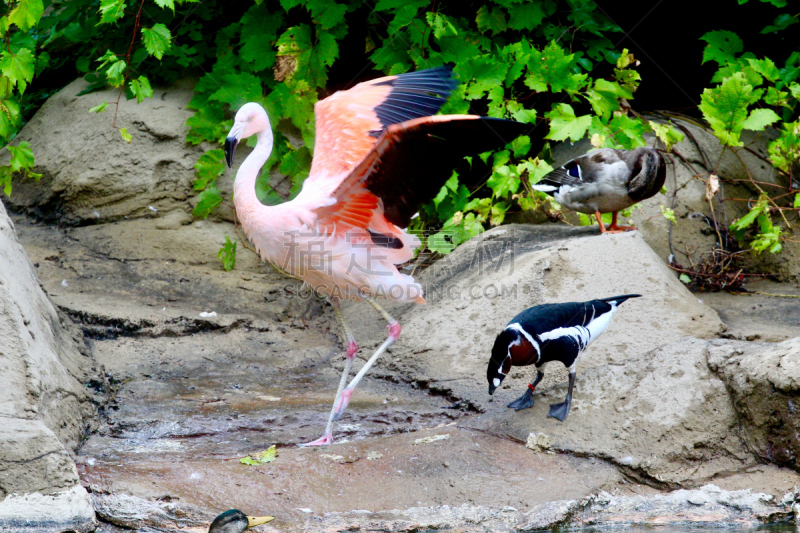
{"x":251,"y":119}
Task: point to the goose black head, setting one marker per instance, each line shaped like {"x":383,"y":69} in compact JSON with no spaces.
{"x":235,"y":521}
{"x":500,"y":362}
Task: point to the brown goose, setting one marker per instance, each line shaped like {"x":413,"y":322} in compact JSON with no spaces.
{"x":606,"y":181}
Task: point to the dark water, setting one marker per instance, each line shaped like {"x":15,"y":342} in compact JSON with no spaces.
{"x":773,"y":528}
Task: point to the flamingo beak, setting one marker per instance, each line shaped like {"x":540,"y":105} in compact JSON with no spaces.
{"x":231,"y":141}
{"x":258,"y":520}
{"x":230,"y":149}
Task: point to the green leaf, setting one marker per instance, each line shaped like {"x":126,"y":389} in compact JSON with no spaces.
{"x":111,"y":10}
{"x":505,"y":180}
{"x":166,"y":4}
{"x":127,"y":137}
{"x":526,"y":16}
{"x":18,"y":68}
{"x":259,"y":31}
{"x":668,"y":213}
{"x":521,"y":146}
{"x":491,"y":19}
{"x":209,"y":199}
{"x":9,"y":118}
{"x":760,"y":119}
{"x":605,"y":96}
{"x":565,"y":125}
{"x":26,"y":14}
{"x":208,"y":168}
{"x":439,"y":243}
{"x":722,"y":46}
{"x":227,"y":254}
{"x":781,"y":22}
{"x":725,"y":108}
{"x":685,"y":279}
{"x":267,"y":456}
{"x":157,"y":40}
{"x":766,"y":68}
{"x":99,"y":108}
{"x":440,"y":25}
{"x":666,"y":133}
{"x":785,"y":150}
{"x":796,"y":204}
{"x":140,"y":88}
{"x":552,"y":66}
{"x":116,"y":73}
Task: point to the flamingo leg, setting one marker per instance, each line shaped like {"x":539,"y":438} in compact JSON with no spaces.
{"x":613,"y":228}
{"x":352,"y":348}
{"x":394,"y":333}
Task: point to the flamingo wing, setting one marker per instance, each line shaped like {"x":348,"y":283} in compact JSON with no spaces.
{"x":410,"y":162}
{"x":348,"y":123}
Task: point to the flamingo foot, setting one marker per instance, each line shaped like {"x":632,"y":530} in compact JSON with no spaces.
{"x":394,"y":330}
{"x":352,"y":348}
{"x":342,"y":404}
{"x":324,"y":440}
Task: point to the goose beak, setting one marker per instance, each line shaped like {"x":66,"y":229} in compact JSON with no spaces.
{"x":491,"y":389}
{"x":258,"y":520}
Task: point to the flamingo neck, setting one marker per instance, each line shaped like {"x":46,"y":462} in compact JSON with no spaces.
{"x":244,"y":187}
{"x":249,"y":208}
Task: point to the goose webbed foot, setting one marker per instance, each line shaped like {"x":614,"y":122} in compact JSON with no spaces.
{"x":559,"y":410}
{"x":523,"y":402}
{"x":613,"y":227}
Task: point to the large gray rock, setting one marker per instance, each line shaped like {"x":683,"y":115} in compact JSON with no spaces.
{"x":688,"y":168}
{"x":764,"y":384}
{"x":43,"y":402}
{"x":91,"y":175}
{"x":474,"y":292}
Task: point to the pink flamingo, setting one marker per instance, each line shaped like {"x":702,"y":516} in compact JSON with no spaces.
{"x":379,"y":154}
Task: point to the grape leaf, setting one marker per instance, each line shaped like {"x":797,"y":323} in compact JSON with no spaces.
{"x":504,"y":181}
{"x":140,"y":88}
{"x":156,"y":40}
{"x":725,"y":107}
{"x":127,"y":137}
{"x":722,"y":46}
{"x":166,"y":4}
{"x":26,"y":14}
{"x":564,"y":124}
{"x":781,"y":22}
{"x":491,"y":19}
{"x":760,"y":119}
{"x":208,"y":168}
{"x":227,"y":254}
{"x":552,"y":66}
{"x":209,"y":199}
{"x":765,"y":67}
{"x":99,"y":108}
{"x":18,"y":68}
{"x":267,"y":456}
{"x":525,"y":16}
{"x":111,"y":10}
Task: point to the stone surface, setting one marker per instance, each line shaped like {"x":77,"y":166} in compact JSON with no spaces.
{"x":477,"y":289}
{"x":44,"y":403}
{"x":91,"y":175}
{"x":764,"y":383}
{"x":69,"y":510}
{"x":688,"y":169}
{"x":662,"y":417}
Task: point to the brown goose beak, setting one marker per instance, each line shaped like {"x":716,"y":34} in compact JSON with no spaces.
{"x":258,"y":520}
